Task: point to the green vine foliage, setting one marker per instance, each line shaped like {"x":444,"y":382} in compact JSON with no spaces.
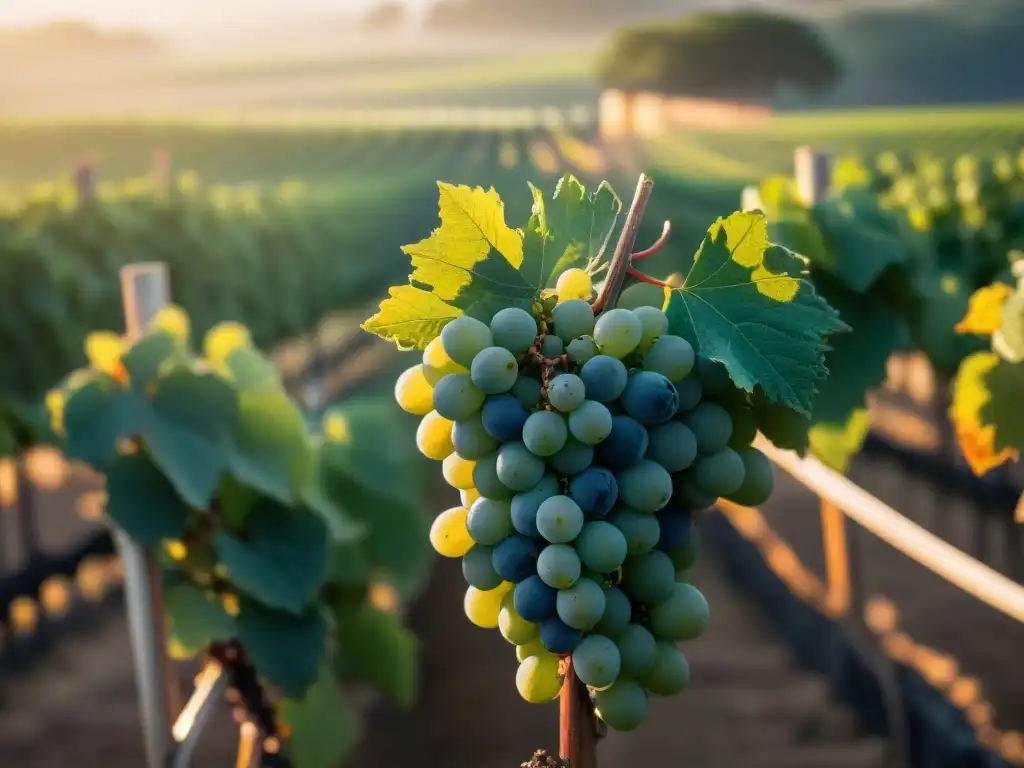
{"x":298,"y":546}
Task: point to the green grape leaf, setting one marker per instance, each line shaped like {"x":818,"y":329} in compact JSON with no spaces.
{"x":142,"y":502}
{"x":281,"y":558}
{"x":190,"y":421}
{"x":343,"y":528}
{"x":836,"y":443}
{"x":376,"y":648}
{"x":569,"y":231}
{"x":144,"y":359}
{"x":96,"y":417}
{"x":287,"y":650}
{"x":348,"y":564}
{"x":411,"y":317}
{"x":784,"y":427}
{"x":1005,"y":383}
{"x":745,"y":303}
{"x":195,"y":618}
{"x":271,"y":451}
{"x":250,"y":370}
{"x":324,"y":725}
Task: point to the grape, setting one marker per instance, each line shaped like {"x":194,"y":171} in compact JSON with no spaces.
{"x":558,"y":566}
{"x":623,"y":705}
{"x":503,"y":417}
{"x":559,"y":519}
{"x":649,"y":578}
{"x":531,"y":648}
{"x":515,"y":558}
{"x":641,"y":531}
{"x":478,"y":569}
{"x":687,"y":493}
{"x":552,"y":347}
{"x":572,"y":319}
{"x":514,"y":627}
{"x":617,"y":332}
{"x":595,"y":491}
{"x":650,"y":398}
{"x":468,"y":496}
{"x":457,"y":471}
{"x":744,"y":428}
{"x":489,"y":521}
{"x":573,"y":458}
{"x":645,"y":487}
{"x":527,"y":391}
{"x":470,"y":439}
{"x":486,"y":480}
{"x":514,"y":329}
{"x":464,"y":338}
{"x":482,"y":608}
{"x":582,"y":349}
{"x":448,"y":533}
{"x":653,"y":323}
{"x":545,"y":433}
{"x":604,"y":377}
{"x":525,"y":505}
{"x":672,"y":445}
{"x":437,"y":364}
{"x":685,"y":555}
{"x":456,"y":397}
{"x":625,"y":445}
{"x":581,"y":605}
{"x":494,"y":370}
{"x":637,"y":649}
{"x":714,"y":377}
{"x":519,"y":469}
{"x":601,"y":546}
{"x":596,"y":661}
{"x":671,"y":356}
{"x":711,"y":425}
{"x":534,"y":600}
{"x":566,"y":391}
{"x":413,"y":393}
{"x":670,"y":673}
{"x":434,"y":436}
{"x":720,"y":473}
{"x":617,"y":613}
{"x":684,"y":616}
{"x":591,"y":423}
{"x":675,"y":524}
{"x":689,"y":392}
{"x":539,"y":678}
{"x":557,"y":637}
{"x":758,"y":480}
{"x":574,"y":284}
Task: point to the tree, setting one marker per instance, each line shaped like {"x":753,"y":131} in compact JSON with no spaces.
{"x":387,"y":16}
{"x":744,"y":54}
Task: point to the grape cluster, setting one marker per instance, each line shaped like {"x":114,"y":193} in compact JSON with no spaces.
{"x":581,"y":446}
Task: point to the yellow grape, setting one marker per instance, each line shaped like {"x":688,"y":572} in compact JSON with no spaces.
{"x":173,"y":320}
{"x":539,"y":678}
{"x":574,"y":284}
{"x":458,"y":472}
{"x":413,"y":392}
{"x":482,"y":608}
{"x":434,"y":436}
{"x":514,"y":627}
{"x":222,"y":340}
{"x":437,"y":364}
{"x":103,"y":349}
{"x":468,"y":496}
{"x":532,"y":648}
{"x":449,"y":535}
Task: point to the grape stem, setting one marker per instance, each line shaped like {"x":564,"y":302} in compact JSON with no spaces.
{"x":638,"y":275}
{"x":666,"y":230}
{"x":623,"y":255}
{"x":577,"y":723}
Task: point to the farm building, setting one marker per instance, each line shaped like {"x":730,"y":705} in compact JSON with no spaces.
{"x":645,"y":113}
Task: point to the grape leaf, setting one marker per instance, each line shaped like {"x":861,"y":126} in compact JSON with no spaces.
{"x":286,"y":649}
{"x":985,"y":310}
{"x":270,"y":439}
{"x":783,"y":426}
{"x":379,"y":650}
{"x":195,"y":618}
{"x":982,"y":411}
{"x":745,"y":303}
{"x":836,"y":442}
{"x":411,"y":317}
{"x":324,"y":726}
{"x":143,"y":502}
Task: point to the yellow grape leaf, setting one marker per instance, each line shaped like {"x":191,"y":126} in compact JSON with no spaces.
{"x":970,"y":395}
{"x":984,"y":310}
{"x":222,"y":340}
{"x":173,"y":320}
{"x":411,"y":317}
{"x":103,"y":350}
{"x":55,"y":401}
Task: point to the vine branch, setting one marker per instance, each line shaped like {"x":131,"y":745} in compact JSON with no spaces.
{"x":623,"y":255}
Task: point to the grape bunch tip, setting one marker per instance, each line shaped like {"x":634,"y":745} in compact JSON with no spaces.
{"x":581,"y":447}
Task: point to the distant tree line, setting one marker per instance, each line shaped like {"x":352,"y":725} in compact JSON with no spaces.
{"x":557,"y":16}
{"x":72,"y":38}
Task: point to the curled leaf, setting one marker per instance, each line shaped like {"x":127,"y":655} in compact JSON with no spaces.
{"x":984,"y":311}
{"x":103,"y":350}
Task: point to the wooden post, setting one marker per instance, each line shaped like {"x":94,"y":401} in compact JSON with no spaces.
{"x":162,"y":169}
{"x":84,"y":179}
{"x":813,"y":171}
{"x":145,"y":290}
{"x":577,"y":724}
{"x":750,"y":200}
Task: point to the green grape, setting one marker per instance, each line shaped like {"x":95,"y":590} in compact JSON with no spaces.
{"x":672,"y":445}
{"x":494,"y":370}
{"x":688,"y":494}
{"x":456,"y":397}
{"x":684,"y":616}
{"x":653,"y":323}
{"x":464,"y":338}
{"x":641,"y":531}
{"x":574,"y":284}
{"x":690,"y":393}
{"x":720,"y":473}
{"x":470,"y":440}
{"x":514,"y":329}
{"x":413,"y":392}
{"x":591,"y":422}
{"x":489,"y":521}
{"x":558,"y":566}
{"x":618,"y":611}
{"x":573,"y":458}
{"x":758,"y":479}
{"x":572,"y":319}
{"x":514,"y":627}
{"x":581,"y":605}
{"x":566,"y":392}
{"x":482,"y":607}
{"x":434,"y":436}
{"x":617,"y":332}
{"x":623,"y":705}
{"x":685,"y":555}
{"x":711,"y":425}
{"x":596,"y":661}
{"x":487,"y":481}
{"x":478,"y":570}
{"x":437,"y":364}
{"x":637,"y":648}
{"x":670,"y":673}
{"x":552,"y":347}
{"x":646,"y":486}
{"x":545,"y":433}
{"x":559,"y":519}
{"x":744,"y":428}
{"x":601,"y":546}
{"x":539,"y":678}
{"x":458,"y":472}
{"x":517,"y":468}
{"x":714,"y":377}
{"x":649,"y":578}
{"x":582,"y":349}
{"x":527,"y":391}
{"x":671,"y":356}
